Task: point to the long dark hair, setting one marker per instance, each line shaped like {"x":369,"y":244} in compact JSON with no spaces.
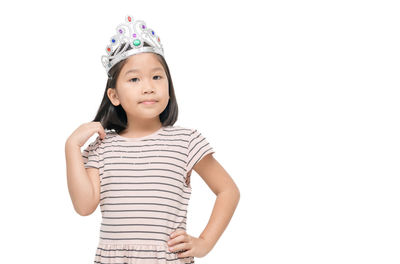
{"x":114,"y":117}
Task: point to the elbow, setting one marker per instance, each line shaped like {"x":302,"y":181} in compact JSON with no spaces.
{"x":86,"y":209}
{"x":83,"y":212}
{"x":238,"y":194}
{"x":232,"y":191}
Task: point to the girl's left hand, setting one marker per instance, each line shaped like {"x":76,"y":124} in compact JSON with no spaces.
{"x":181,"y":241}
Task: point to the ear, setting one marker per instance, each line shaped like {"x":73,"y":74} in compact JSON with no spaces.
{"x":112,"y":95}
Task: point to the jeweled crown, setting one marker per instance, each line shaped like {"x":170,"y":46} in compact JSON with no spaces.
{"x":134,"y":33}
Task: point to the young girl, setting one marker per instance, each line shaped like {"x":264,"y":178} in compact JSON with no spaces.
{"x":138,"y":168}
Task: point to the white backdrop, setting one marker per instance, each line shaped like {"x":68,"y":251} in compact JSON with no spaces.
{"x":300,"y":100}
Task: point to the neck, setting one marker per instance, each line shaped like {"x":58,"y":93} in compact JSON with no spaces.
{"x":139,"y":127}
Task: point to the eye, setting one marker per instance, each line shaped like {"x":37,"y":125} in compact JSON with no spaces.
{"x":137,"y":78}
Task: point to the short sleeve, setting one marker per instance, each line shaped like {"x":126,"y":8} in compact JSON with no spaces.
{"x":198,"y":147}
{"x":90,"y":155}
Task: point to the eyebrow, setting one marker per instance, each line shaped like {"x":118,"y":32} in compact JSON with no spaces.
{"x":136,"y":70}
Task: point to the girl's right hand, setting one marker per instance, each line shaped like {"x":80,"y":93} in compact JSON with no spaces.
{"x":84,"y":132}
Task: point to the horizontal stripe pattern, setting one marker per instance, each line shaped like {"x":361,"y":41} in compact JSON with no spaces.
{"x":198,"y":147}
{"x":143,"y":192}
{"x":90,"y":155}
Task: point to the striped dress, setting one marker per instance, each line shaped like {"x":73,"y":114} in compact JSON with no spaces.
{"x":144,"y":192}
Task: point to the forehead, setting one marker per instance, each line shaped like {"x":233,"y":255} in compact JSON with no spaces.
{"x":142,"y":62}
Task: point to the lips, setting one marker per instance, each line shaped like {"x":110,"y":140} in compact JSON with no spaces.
{"x":148,"y":102}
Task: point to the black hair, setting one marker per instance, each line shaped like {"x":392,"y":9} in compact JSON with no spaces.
{"x":114,"y":117}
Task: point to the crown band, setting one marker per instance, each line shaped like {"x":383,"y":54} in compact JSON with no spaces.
{"x":131,"y":52}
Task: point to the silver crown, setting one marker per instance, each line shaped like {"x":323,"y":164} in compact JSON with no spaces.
{"x":134,"y":32}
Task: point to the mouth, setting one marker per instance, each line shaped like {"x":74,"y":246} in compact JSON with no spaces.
{"x":148,"y":102}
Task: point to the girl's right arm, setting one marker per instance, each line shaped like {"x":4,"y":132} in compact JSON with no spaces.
{"x":83,"y":183}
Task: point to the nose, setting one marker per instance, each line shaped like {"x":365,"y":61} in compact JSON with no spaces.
{"x":148,"y":91}
{"x":148,"y":87}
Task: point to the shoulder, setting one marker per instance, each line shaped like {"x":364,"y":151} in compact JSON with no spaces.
{"x":99,"y":143}
{"x":192,"y":132}
{"x":93,"y":147}
{"x":178,"y":130}
{"x":192,"y":135}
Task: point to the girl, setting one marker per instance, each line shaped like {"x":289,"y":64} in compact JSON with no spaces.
{"x":138,"y":168}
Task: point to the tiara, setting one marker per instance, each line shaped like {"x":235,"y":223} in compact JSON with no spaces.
{"x":134,"y":33}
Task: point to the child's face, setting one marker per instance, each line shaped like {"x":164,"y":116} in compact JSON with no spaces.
{"x":144,"y":84}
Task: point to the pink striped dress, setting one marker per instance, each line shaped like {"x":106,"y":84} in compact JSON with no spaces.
{"x":144,"y":192}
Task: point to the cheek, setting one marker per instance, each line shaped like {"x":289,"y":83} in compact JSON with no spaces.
{"x":130,"y":97}
{"x":165,"y":90}
{"x":165,"y":96}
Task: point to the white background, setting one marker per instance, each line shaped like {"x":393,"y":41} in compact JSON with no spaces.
{"x":300,"y":100}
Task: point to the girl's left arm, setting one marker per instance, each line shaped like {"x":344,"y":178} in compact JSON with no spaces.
{"x":227,"y":193}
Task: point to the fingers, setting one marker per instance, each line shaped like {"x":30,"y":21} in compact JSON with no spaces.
{"x":187,"y":253}
{"x":178,"y":239}
{"x":180,"y":242}
{"x":178,"y":236}
{"x":101,"y":131}
{"x":177,"y":232}
{"x":180,"y":247}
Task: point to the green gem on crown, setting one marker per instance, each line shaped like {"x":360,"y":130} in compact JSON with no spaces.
{"x":136,"y":42}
